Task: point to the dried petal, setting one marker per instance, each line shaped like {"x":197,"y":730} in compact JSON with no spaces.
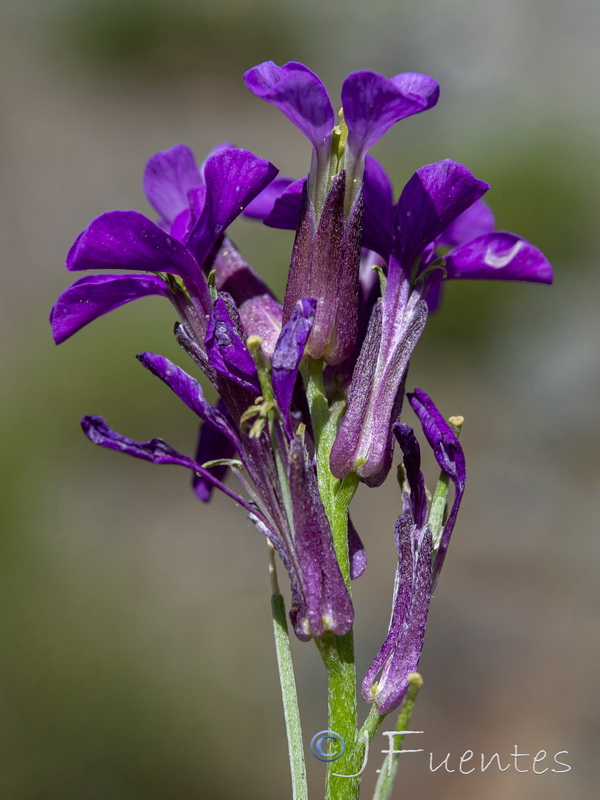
{"x":401,"y":651}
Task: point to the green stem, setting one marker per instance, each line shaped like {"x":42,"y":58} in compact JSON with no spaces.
{"x":389,"y":770}
{"x":371,"y":724}
{"x":288,"y":689}
{"x":337,"y":652}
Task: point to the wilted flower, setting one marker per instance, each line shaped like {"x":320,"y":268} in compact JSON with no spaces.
{"x":421,"y":541}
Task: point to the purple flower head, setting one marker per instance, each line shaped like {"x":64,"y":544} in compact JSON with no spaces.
{"x":440,"y":206}
{"x":371,"y":104}
{"x":365,"y":273}
{"x":195,"y":208}
{"x":326,"y":255}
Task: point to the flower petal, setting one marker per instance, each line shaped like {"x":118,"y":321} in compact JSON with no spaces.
{"x":288,"y":354}
{"x":442,"y":439}
{"x":499,"y":256}
{"x":450,"y":458}
{"x":167,"y":177}
{"x":378,"y":210}
{"x":262,"y":206}
{"x":212,"y":444}
{"x":433,"y":198}
{"x":94,"y":295}
{"x":233,"y":178}
{"x":157,"y":451}
{"x":475,"y":221}
{"x":411,"y":453}
{"x":226,"y":350}
{"x":128,"y":240}
{"x":298,"y":93}
{"x":286,"y":209}
{"x":373,"y":103}
{"x":190,"y":392}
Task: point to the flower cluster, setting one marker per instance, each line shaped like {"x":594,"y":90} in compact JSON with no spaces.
{"x":365,"y":273}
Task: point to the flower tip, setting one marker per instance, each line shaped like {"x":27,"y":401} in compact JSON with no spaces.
{"x":90,"y":425}
{"x":147,"y":359}
{"x":71,"y":262}
{"x":58,"y":334}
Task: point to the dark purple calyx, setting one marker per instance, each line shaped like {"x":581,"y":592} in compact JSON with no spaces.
{"x":325,"y":265}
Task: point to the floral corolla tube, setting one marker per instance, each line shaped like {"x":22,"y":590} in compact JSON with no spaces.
{"x":302,"y":398}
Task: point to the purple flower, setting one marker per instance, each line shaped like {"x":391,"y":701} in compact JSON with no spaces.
{"x":326,"y":255}
{"x":371,"y":104}
{"x":440,"y":206}
{"x":195,"y":209}
{"x":420,"y":557}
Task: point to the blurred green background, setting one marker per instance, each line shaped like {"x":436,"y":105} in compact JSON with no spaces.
{"x":136,"y":659}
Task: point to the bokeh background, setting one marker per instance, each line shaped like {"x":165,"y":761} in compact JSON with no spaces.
{"x":136,"y":659}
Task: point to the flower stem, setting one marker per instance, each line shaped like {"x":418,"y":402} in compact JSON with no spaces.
{"x":337,"y":653}
{"x":389,"y":770}
{"x":288,"y":687}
